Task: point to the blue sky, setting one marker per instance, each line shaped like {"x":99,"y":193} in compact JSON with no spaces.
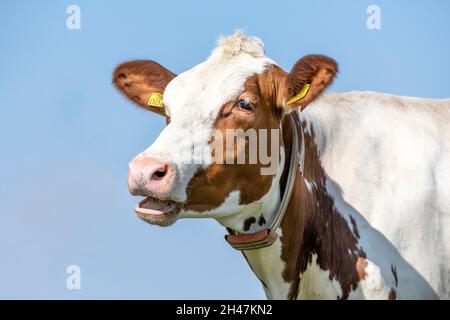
{"x":67,"y":135}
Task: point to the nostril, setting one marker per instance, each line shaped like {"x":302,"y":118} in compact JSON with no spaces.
{"x":159,"y":174}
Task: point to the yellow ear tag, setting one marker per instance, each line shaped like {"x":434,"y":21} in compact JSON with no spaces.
{"x":156,"y":100}
{"x":303,"y":92}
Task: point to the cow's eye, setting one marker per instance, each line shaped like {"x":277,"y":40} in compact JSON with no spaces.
{"x":245,"y":104}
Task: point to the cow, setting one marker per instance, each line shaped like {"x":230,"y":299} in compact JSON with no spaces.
{"x":358,"y":206}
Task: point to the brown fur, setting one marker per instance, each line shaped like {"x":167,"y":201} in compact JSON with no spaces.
{"x":308,"y":229}
{"x":138,"y":79}
{"x":361,"y":266}
{"x":317,"y":70}
{"x":392,"y":295}
{"x":248,"y":223}
{"x":216,"y":182}
{"x":268,"y":91}
{"x":261,"y":221}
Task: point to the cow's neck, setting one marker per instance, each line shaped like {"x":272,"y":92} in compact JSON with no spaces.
{"x":317,"y":253}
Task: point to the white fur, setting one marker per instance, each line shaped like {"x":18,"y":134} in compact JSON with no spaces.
{"x":315,"y":283}
{"x":268,"y":266}
{"x":387,"y":161}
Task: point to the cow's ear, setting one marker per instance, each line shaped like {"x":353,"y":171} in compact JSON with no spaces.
{"x":143,"y":81}
{"x":307,"y":80}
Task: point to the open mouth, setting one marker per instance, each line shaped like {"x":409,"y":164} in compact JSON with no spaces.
{"x":156,"y":211}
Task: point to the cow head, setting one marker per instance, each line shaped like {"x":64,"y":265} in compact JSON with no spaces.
{"x":192,"y":169}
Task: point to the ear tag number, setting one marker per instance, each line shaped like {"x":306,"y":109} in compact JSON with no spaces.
{"x":303,"y":92}
{"x":156,"y":100}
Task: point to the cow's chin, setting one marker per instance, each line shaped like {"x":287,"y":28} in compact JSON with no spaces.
{"x":158,"y":212}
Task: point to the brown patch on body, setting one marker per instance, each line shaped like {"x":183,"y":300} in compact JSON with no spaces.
{"x":313,"y":226}
{"x":393,"y":292}
{"x":392,"y":295}
{"x":394,"y":273}
{"x":354,"y":226}
{"x":361,"y":265}
{"x":261,"y":221}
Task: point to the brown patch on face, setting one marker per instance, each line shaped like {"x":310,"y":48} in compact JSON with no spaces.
{"x":313,"y":226}
{"x":392,"y":295}
{"x":361,"y":266}
{"x":248,"y":223}
{"x":209,"y":188}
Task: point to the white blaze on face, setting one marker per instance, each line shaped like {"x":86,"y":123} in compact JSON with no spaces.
{"x":193,"y":100}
